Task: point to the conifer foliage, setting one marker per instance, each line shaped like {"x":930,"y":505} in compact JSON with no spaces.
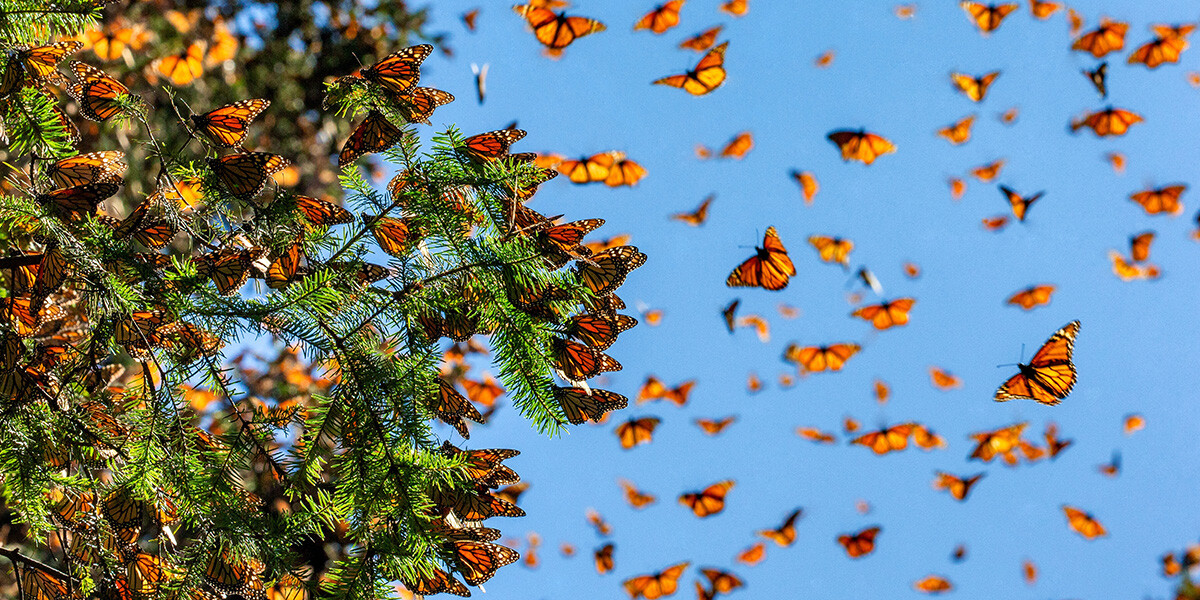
{"x":139,"y":460}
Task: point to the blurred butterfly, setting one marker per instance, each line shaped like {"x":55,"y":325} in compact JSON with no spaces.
{"x":624,"y":172}
{"x":1042,"y":9}
{"x":99,"y":96}
{"x":887,"y":314}
{"x":697,"y":217}
{"x":375,"y":134}
{"x":753,"y":555}
{"x":224,"y":44}
{"x":1029,"y":572}
{"x":995,"y":223}
{"x":590,"y":169}
{"x":185,"y":66}
{"x":399,"y":71}
{"x":859,"y":544}
{"x":655,"y":585}
{"x":934,"y":584}
{"x":556,"y":31}
{"x":987,"y":173}
{"x":958,"y":187}
{"x":1133,"y":423}
{"x":663,"y":17}
{"x":1009,"y":117}
{"x":729,"y":313}
{"x":861,"y":145}
{"x":1168,"y":44}
{"x":926,"y":439}
{"x":1163,"y":200}
{"x":1020,"y":205}
{"x":79,"y":199}
{"x":33,"y":65}
{"x":754,"y":384}
{"x":245,"y":175}
{"x":703,"y":40}
{"x":105,"y":166}
{"x":604,"y":559}
{"x":975,"y":88}
{"x":832,"y":249}
{"x":597,"y":331}
{"x":469,"y":17}
{"x":490,"y":146}
{"x":1108,"y":37}
{"x":721,"y":582}
{"x":944,"y":380}
{"x":635,"y":497}
{"x":1113,"y":467}
{"x":1049,"y":375}
{"x":1117,"y":160}
{"x":151,"y":232}
{"x":808,"y":185}
{"x":1099,"y":78}
{"x":606,"y":270}
{"x":109,"y":44}
{"x":769,"y":268}
{"x":886,"y":439}
{"x":484,"y":392}
{"x":714,"y":427}
{"x":654,"y":389}
{"x":987,"y":17}
{"x":958,"y":487}
{"x":735,"y":8}
{"x":226,"y":126}
{"x":958,"y":132}
{"x":707,"y":76}
{"x":824,"y":59}
{"x":1032,"y":296}
{"x":784,"y":535}
{"x":1110,"y":121}
{"x":636,"y":431}
{"x":905,"y":12}
{"x":1139,"y":246}
{"x":480,"y":81}
{"x":613,"y":242}
{"x":814,"y":359}
{"x":1054,"y":444}
{"x":739,"y":146}
{"x":1131,"y":272}
{"x":709,"y":501}
{"x":1084,"y":523}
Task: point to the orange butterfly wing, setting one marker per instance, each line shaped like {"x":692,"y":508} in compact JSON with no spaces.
{"x":708,"y":75}
{"x":769,"y":269}
{"x":662,"y":18}
{"x":1050,"y":374}
{"x":226,"y":126}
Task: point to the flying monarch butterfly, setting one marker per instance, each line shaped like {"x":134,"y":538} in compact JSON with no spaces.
{"x":32,"y":65}
{"x":1163,"y":200}
{"x":697,"y":217}
{"x":635,"y":497}
{"x":1020,"y":205}
{"x":959,"y":132}
{"x":887,"y":314}
{"x":322,"y":212}
{"x":1131,"y":272}
{"x":958,"y":187}
{"x":604,"y":559}
{"x":655,"y":585}
{"x":226,"y":126}
{"x":729,"y":313}
{"x":98,"y":94}
{"x":451,"y":408}
{"x":735,"y":8}
{"x":824,"y":60}
{"x":590,"y":169}
{"x":739,"y":146}
{"x":1042,"y":9}
{"x":1166,"y":47}
{"x":245,"y":175}
{"x":607,"y":244}
{"x":106,"y":166}
{"x":1032,"y":296}
{"x":477,"y":562}
{"x":721,"y":582}
{"x":934,"y":584}
{"x":709,"y":501}
{"x":814,"y":359}
{"x":769,"y":268}
{"x":224,"y":44}
{"x":654,"y":389}
{"x":861,"y":145}
{"x":753,"y":555}
{"x":905,"y":12}
{"x":707,"y":76}
{"x":1049,"y":375}
{"x":975,"y":88}
{"x":832,"y":249}
{"x":282,"y":270}
{"x":624,"y":172}
{"x":1110,"y":121}
{"x":1117,"y":160}
{"x":606,"y":270}
{"x":943,"y":379}
{"x":663,"y":17}
{"x":637,"y":431}
{"x":79,"y":199}
{"x":1113,"y":467}
{"x":926,"y":439}
{"x":485,"y":392}
{"x":989,"y":172}
{"x":399,"y":71}
{"x":577,"y":362}
{"x":1054,"y":444}
{"x":784,"y":535}
{"x":1002,"y":441}
{"x":987,"y":17}
{"x":861,"y":543}
{"x":808,"y":184}
{"x":996,"y":223}
{"x":886,"y":439}
{"x":375,"y":134}
{"x":959,"y":487}
{"x":490,"y":146}
{"x":151,"y":232}
{"x":556,"y":31}
{"x":597,"y":331}
{"x":1108,"y":37}
{"x":714,"y":427}
{"x":469,"y":17}
{"x":185,"y":66}
{"x":512,"y":494}
{"x":702,"y":41}
{"x":1099,"y":79}
{"x":596,"y":520}
{"x":1084,"y":523}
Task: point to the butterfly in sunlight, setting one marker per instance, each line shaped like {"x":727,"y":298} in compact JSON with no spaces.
{"x":1084,"y":523}
{"x":228,"y":268}
{"x":887,"y":314}
{"x":577,"y":362}
{"x":1113,"y":467}
{"x":721,"y":582}
{"x":987,"y":17}
{"x":417,"y":104}
{"x":709,"y":501}
{"x":635,"y":497}
{"x":477,"y":562}
{"x":399,"y":71}
{"x":943,"y":379}
{"x":739,"y":146}
{"x":1133,"y":424}
{"x":604,"y":559}
{"x":824,"y":60}
{"x":707,"y":76}
{"x":886,"y":439}
{"x":1020,"y":205}
{"x":556,"y":31}
{"x":1108,"y":37}
{"x":226,"y":126}
{"x":989,"y":172}
{"x":808,"y":185}
{"x":33,"y":65}
{"x":185,"y":66}
{"x":99,"y":95}
{"x":624,"y":172}
{"x":933,"y":584}
{"x":958,"y":187}
{"x":1099,"y":79}
{"x":597,"y":331}
{"x":861,"y":543}
{"x":606,"y":270}
{"x":375,"y":134}
{"x":996,"y":223}
{"x":729,"y":313}
{"x":1131,"y":272}
{"x":714,"y":427}
{"x":589,"y":169}
{"x":814,"y":359}
{"x":1117,"y":160}
{"x":1032,"y":297}
{"x":1163,"y":200}
{"x":663,"y":17}
{"x":959,"y":132}
{"x":1050,"y":375}
{"x":861,"y":145}
{"x":784,"y":535}
{"x":735,"y":8}
{"x":245,"y":175}
{"x":655,"y":585}
{"x":753,"y":555}
{"x":637,"y":431}
{"x":832,"y":249}
{"x":975,"y":88}
{"x":79,"y":199}
{"x":958,"y":487}
{"x":490,"y":146}
{"x":769,"y":268}
{"x":1168,"y":43}
{"x":655,"y":389}
{"x":703,"y":40}
{"x":151,"y":232}
{"x":1110,"y":121}
{"x":322,"y":212}
{"x":926,"y":439}
{"x":106,"y":166}
{"x":1042,"y":9}
{"x":697,"y":217}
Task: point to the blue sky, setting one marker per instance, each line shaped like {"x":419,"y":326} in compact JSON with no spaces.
{"x":1136,"y":352}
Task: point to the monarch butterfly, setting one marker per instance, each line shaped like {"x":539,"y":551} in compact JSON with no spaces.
{"x":989,"y":172}
{"x":707,"y":76}
{"x":905,"y":12}
{"x":1111,"y":468}
{"x":151,"y":232}
{"x":52,"y":271}
{"x":612,"y":242}
{"x":322,"y":212}
{"x":1108,"y":37}
{"x":69,"y":508}
{"x":226,"y":126}
{"x":1042,"y":10}
{"x":995,"y":223}
{"x":282,"y":270}
{"x":958,"y":487}
{"x":560,"y":243}
{"x":635,"y":497}
{"x":185,"y":66}
{"x":739,"y":146}
{"x":245,"y":175}
{"x":38,"y":585}
{"x":735,"y":8}
{"x":824,"y":60}
{"x":556,"y":31}
{"x":702,"y":41}
{"x":596,"y":520}
{"x":859,"y":544}
{"x":1002,"y":441}
{"x":697,"y":217}
{"x":1099,"y":78}
{"x":578,"y":405}
{"x":606,"y":270}
{"x":577,"y":362}
{"x":94,"y":167}
{"x":808,"y":185}
{"x":475,"y":505}
{"x":926,"y":439}
{"x":769,"y":268}
{"x":624,"y":172}
{"x":1084,"y":523}
{"x":933,"y":584}
{"x":490,"y":146}
{"x":452,"y":407}
{"x":1049,"y":375}
{"x":861,"y":145}
{"x":958,"y":187}
{"x":1032,"y":296}
{"x":958,"y":132}
{"x":79,"y":199}
{"x":224,"y":44}
{"x":944,"y":380}
{"x":886,"y":439}
{"x":399,"y":71}
{"x":604,"y":559}
{"x":483,"y":392}
{"x":887,"y":314}
{"x":1130,"y":272}
{"x":230,"y":576}
{"x":714,"y":427}
{"x":32,"y":65}
{"x":1110,"y":121}
{"x":589,"y":169}
{"x":142,"y":330}
{"x":975,"y":88}
{"x":663,"y":17}
{"x":832,"y":249}
{"x":1163,"y":200}
{"x":483,"y":464}
{"x":98,"y":94}
{"x":637,"y":431}
{"x":654,"y":389}
{"x":1166,"y":47}
{"x":709,"y":501}
{"x":597,"y":331}
{"x":753,"y":555}
{"x":1133,"y":423}
{"x":814,"y":359}
{"x":375,"y":134}
{"x":1020,"y":205}
{"x":721,"y":582}
{"x":655,"y":585}
{"x":987,"y":17}
{"x":784,"y":535}
{"x":418,"y":104}
{"x":477,"y":562}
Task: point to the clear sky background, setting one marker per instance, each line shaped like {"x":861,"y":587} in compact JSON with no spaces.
{"x":1137,"y":352}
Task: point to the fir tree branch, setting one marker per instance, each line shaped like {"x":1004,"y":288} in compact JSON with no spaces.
{"x":16,"y":557}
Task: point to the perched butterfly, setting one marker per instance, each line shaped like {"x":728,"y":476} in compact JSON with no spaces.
{"x":226,"y":126}
{"x":245,"y":175}
{"x":861,"y":543}
{"x":735,"y":8}
{"x":556,"y":31}
{"x":697,"y":217}
{"x":604,"y":559}
{"x":1020,"y":205}
{"x":989,"y":172}
{"x":714,"y":427}
{"x":99,"y":96}
{"x":1163,"y":200}
{"x":577,"y":362}
{"x":606,"y":270}
{"x":784,"y":535}
{"x":1049,"y":375}
{"x":105,"y":166}
{"x":655,"y":585}
{"x":398,"y":72}
{"x":477,"y":561}
{"x":975,"y":88}
{"x":597,"y":331}
{"x":958,"y":487}
{"x":1032,"y":296}
{"x":739,"y":146}
{"x":958,"y":132}
{"x":33,"y":65}
{"x":1110,"y":121}
{"x":1042,"y":10}
{"x":1108,"y":37}
{"x":451,"y":407}
{"x":861,"y":145}
{"x":1084,"y":523}
{"x":707,"y":76}
{"x":944,"y":380}
{"x":987,"y":17}
{"x":185,"y":66}
{"x":1099,"y":78}
{"x":887,"y":314}
{"x":151,"y":232}
{"x":934,"y":584}
{"x":637,"y":431}
{"x":808,"y":185}
{"x":886,"y":439}
{"x":832,"y":249}
{"x":227,"y":268}
{"x":769,"y":268}
{"x":709,"y":501}
{"x":79,"y":199}
{"x":375,"y":134}
{"x":322,"y":212}
{"x":753,"y":555}
{"x":490,"y":146}
{"x":663,"y":17}
{"x":814,"y":359}
{"x":282,"y":270}
{"x":703,"y":40}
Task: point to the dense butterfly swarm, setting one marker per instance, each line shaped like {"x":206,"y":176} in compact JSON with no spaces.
{"x":1047,"y":378}
{"x":65,"y":355}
